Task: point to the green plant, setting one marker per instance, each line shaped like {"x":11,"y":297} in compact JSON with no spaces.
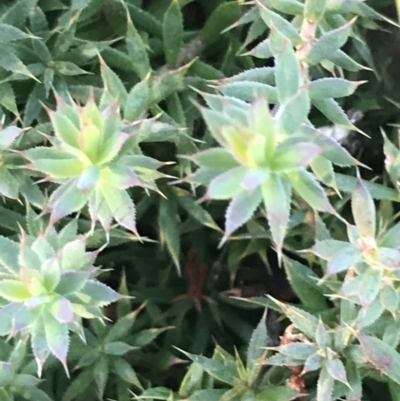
{"x":195,"y":126}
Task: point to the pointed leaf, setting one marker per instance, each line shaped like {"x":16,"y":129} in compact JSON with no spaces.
{"x":241,"y":209}
{"x":277,"y":198}
{"x":100,"y":293}
{"x":363,"y":208}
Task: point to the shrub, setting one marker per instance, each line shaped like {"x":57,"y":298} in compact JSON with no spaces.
{"x":154,"y":152}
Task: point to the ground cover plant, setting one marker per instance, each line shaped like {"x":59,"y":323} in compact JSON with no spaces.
{"x":199,"y":200}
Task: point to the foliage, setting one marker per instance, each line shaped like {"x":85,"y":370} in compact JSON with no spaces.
{"x":166,"y":164}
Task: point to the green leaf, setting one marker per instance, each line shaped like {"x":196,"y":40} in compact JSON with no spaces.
{"x":223,"y":16}
{"x":370,"y":286}
{"x":382,"y":356}
{"x":304,"y":283}
{"x":125,"y":371}
{"x":71,"y":282}
{"x":113,"y":85}
{"x":289,"y":156}
{"x":389,"y":298}
{"x":117,"y":348}
{"x":99,"y":293}
{"x":241,"y":209}
{"x":227,"y":184}
{"x":287,"y":68}
{"x":101,"y":374}
{"x":257,"y":344}
{"x":363,"y":208}
{"x":8,"y":101}
{"x":277,"y":198}
{"x":279,"y":24}
{"x":342,"y":261}
{"x":137,"y":100}
{"x":225,"y":373}
{"x":314,"y":9}
{"x":302,"y":320}
{"x":336,"y":369}
{"x":277,"y":393}
{"x":291,"y":7}
{"x":169,"y":230}
{"x":248,"y":91}
{"x":173,"y":32}
{"x":66,"y":199}
{"x":215,"y":158}
{"x":325,"y":385}
{"x":328,"y":43}
{"x":89,"y":178}
{"x":57,"y":339}
{"x":342,"y":60}
{"x":136,"y":48}
{"x":122,"y":327}
{"x":310,"y":190}
{"x":121,"y":206}
{"x":332,"y":88}
{"x":294,"y":112}
{"x":9,"y":186}
{"x":13,"y":290}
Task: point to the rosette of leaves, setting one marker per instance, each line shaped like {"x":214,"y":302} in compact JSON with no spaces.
{"x":13,"y":181}
{"x":92,"y":161}
{"x":371,"y":259}
{"x":15,"y":379}
{"x":228,"y":377}
{"x":258,"y":162}
{"x":311,"y":346}
{"x":49,"y":285}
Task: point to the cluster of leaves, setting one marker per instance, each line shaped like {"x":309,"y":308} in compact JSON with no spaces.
{"x":135,"y":112}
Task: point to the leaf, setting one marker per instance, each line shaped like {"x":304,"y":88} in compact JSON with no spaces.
{"x":217,"y":158}
{"x":112,"y":83}
{"x":381,"y":355}
{"x":173,"y":32}
{"x":241,"y":209}
{"x":370,"y":285}
{"x":9,"y":186}
{"x":61,"y":309}
{"x":294,"y":112}
{"x":314,"y":9}
{"x":389,"y":298}
{"x":57,"y":339}
{"x":88,"y":178}
{"x":122,"y":327}
{"x":117,"y":348}
{"x":257,"y":344}
{"x":289,"y":156}
{"x":125,"y":371}
{"x":121,"y":205}
{"x":325,"y":385}
{"x":277,"y":393}
{"x":13,"y":290}
{"x":336,"y":369}
{"x":225,"y":373}
{"x":287,"y":68}
{"x":169,"y":230}
{"x":310,"y":190}
{"x":9,"y":255}
{"x":331,"y":110}
{"x":100,"y":293}
{"x":332,"y":88}
{"x":136,"y":101}
{"x":328,"y":43}
{"x":227,"y":184}
{"x":277,"y":23}
{"x":363,"y":209}
{"x":248,"y":91}
{"x":302,"y":320}
{"x":66,"y":199}
{"x":101,"y":374}
{"x":8,"y":101}
{"x":342,"y":261}
{"x":40,"y":347}
{"x":136,"y":48}
{"x":10,"y":62}
{"x":277,"y":198}
{"x":304,"y":283}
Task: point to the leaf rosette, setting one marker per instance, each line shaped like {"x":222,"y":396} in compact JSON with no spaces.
{"x":49,"y":285}
{"x":92,"y":159}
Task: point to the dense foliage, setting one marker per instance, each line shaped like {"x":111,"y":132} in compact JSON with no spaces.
{"x":199,"y":200}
